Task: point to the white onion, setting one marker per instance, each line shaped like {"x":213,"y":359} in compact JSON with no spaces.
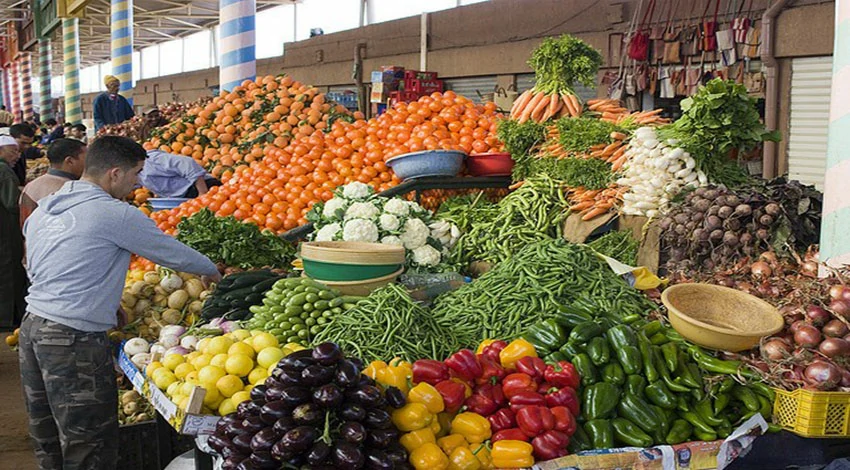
{"x":158,"y":348}
{"x":136,"y":346}
{"x":189,"y":342}
{"x":172,"y":330}
{"x":140,"y":360}
{"x":169,"y":341}
{"x":177,"y":350}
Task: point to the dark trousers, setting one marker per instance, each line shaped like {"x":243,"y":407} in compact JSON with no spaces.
{"x":71,"y":395}
{"x":192,"y":192}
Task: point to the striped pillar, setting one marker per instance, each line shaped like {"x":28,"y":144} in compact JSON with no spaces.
{"x":7,"y":79}
{"x":122,"y":45}
{"x":15,"y":85}
{"x":237,"y":58}
{"x":3,"y":98}
{"x":45,"y":101}
{"x":71,"y":55}
{"x":834,"y":239}
{"x":26,"y":86}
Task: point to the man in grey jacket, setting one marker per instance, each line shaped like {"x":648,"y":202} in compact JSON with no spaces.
{"x":79,"y":242}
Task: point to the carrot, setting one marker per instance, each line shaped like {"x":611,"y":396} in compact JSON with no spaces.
{"x":618,"y":163}
{"x":595,"y":212}
{"x":553,"y":107}
{"x":539,"y":109}
{"x":569,"y":104}
{"x":516,"y":185}
{"x":521,"y":102}
{"x":618,"y":135}
{"x":607,"y":115}
{"x":594,"y":101}
{"x":576,"y":104}
{"x":599,"y":104}
{"x":582,"y":205}
{"x":617,"y":154}
{"x":530,"y":106}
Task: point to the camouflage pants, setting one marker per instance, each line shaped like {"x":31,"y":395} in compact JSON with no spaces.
{"x":71,"y":395}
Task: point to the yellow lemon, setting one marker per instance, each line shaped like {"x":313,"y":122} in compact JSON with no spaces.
{"x":192,"y":356}
{"x":258,"y":375}
{"x":177,"y":398}
{"x":218,"y":360}
{"x":228,"y":385}
{"x":201,"y":360}
{"x":192,"y":377}
{"x":149,"y":370}
{"x":186,"y":389}
{"x":256,"y":332}
{"x":173,"y":389}
{"x":239,"y":397}
{"x":183,"y":403}
{"x":209,"y":375}
{"x":163,"y":377}
{"x":239,"y":365}
{"x":226,"y":407}
{"x":219,"y":345}
{"x":173,"y":360}
{"x":182,"y":370}
{"x":202,"y":345}
{"x":241,"y":348}
{"x":241,"y":334}
{"x":248,"y":388}
{"x":264,"y":340}
{"x":213,"y":397}
{"x":269,"y":357}
{"x":294,"y":347}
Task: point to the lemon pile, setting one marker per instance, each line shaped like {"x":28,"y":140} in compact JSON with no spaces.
{"x":226,"y":366}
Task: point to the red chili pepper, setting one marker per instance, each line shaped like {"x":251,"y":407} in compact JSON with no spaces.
{"x":562,"y":374}
{"x":533,"y":366}
{"x":518,"y":382}
{"x":534,"y":420}
{"x":430,"y":371}
{"x":505,"y":418}
{"x":550,"y":445}
{"x":453,"y":394}
{"x":493,"y":349}
{"x":564,"y":420}
{"x":564,"y":397}
{"x":512,"y":434}
{"x":523,"y":399}
{"x":464,"y":364}
{"x":492,"y":371}
{"x":486,"y":400}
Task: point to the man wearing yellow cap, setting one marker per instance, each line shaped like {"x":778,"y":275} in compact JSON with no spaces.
{"x":110,"y":107}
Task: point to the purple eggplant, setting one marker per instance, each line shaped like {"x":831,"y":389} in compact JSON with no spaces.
{"x":219,"y":442}
{"x":253,"y":424}
{"x":352,"y":412}
{"x":248,"y":408}
{"x":327,"y":354}
{"x":294,"y":396}
{"x":273,"y":411}
{"x":264,"y":460}
{"x":318,"y":454}
{"x":231,"y":451}
{"x":264,"y":440}
{"x":353,"y":432}
{"x":395,"y":397}
{"x":367,"y":395}
{"x":377,"y":459}
{"x":328,"y":396}
{"x":398,"y":455}
{"x":294,"y":365}
{"x":348,"y":456}
{"x":381,"y":438}
{"x":258,"y":393}
{"x":283,"y":425}
{"x":230,"y":463}
{"x":225,"y":421}
{"x":236,"y":428}
{"x":246,"y":465}
{"x":242,"y":443}
{"x":347,"y":374}
{"x":316,"y":375}
{"x":299,"y":439}
{"x":280,"y":452}
{"x":378,"y":418}
{"x":308,"y":413}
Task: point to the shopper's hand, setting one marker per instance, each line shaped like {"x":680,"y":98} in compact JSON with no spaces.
{"x":122,"y":317}
{"x":207,"y":280}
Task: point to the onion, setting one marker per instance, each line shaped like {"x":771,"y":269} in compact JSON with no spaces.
{"x":169,"y":341}
{"x":841,"y":307}
{"x":761,"y":269}
{"x":792,"y":318}
{"x":189,"y":342}
{"x":136,"y":346}
{"x":809,"y":268}
{"x":172,"y":330}
{"x":726,"y":281}
{"x":817,"y":315}
{"x":177,"y":350}
{"x":834,"y":347}
{"x":772,"y":208}
{"x":229,"y":326}
{"x":845,"y":378}
{"x":807,"y":335}
{"x":766,"y":220}
{"x":823,"y":375}
{"x":769,"y":257}
{"x":837,"y":291}
{"x":775,"y":349}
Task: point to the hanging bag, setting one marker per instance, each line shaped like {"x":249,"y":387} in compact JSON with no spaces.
{"x":726,"y":43}
{"x":639,"y":42}
{"x":741,"y":23}
{"x":656,"y":35}
{"x":690,"y":35}
{"x":709,"y":28}
{"x":672,"y":53}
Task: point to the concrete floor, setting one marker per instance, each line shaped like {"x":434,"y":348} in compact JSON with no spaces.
{"x":15,"y":449}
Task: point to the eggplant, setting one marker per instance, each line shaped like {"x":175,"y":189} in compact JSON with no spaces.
{"x":327,"y":354}
{"x":328,"y":396}
{"x":299,"y":439}
{"x":264,"y":440}
{"x":316,"y":375}
{"x":231,"y":463}
{"x":398,"y":455}
{"x":352,"y":412}
{"x":347,"y":374}
{"x":231,"y":451}
{"x":357,"y":362}
{"x":242,"y":443}
{"x":246,"y":465}
{"x":274,"y":393}
{"x":247,"y":408}
{"x":225,"y":421}
{"x":273,"y":411}
{"x":348,"y":456}
{"x":367,"y":395}
{"x":285,"y":378}
{"x":353,"y":432}
{"x":308,"y":413}
{"x":258,"y":393}
{"x":381,"y":438}
{"x":253,"y":424}
{"x":377,"y":459}
{"x":283,"y":425}
{"x":296,"y":461}
{"x":395,"y":397}
{"x":294,"y":396}
{"x":294,"y":365}
{"x":318,"y":454}
{"x":280,"y":452}
{"x":234,"y":429}
{"x":378,"y":418}
{"x":365,"y":380}
{"x":264,"y":460}
{"x":218,"y":443}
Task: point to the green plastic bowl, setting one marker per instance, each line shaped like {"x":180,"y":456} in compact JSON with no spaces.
{"x":347,"y":272}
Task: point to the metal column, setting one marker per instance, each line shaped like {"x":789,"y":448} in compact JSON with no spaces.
{"x":122,"y":45}
{"x":26,"y":86}
{"x":71,"y":53}
{"x":15,"y":85}
{"x":237,"y":52}
{"x":45,"y":100}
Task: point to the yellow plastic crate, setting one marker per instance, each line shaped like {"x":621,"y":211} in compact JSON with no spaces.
{"x":813,"y":414}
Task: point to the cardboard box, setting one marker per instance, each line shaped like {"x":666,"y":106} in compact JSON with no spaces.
{"x":646,"y":231}
{"x":391,"y":75}
{"x":384,"y":88}
{"x":378,"y":96}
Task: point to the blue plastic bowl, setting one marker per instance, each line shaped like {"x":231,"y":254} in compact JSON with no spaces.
{"x":165,"y":203}
{"x":427,"y":163}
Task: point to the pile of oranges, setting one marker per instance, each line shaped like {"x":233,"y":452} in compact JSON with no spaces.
{"x":236,"y":127}
{"x":137,"y":263}
{"x":277,"y":190}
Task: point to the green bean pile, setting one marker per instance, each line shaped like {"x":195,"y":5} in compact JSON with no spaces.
{"x":390,"y":324}
{"x":620,"y":245}
{"x":466,"y":210}
{"x":530,"y":286}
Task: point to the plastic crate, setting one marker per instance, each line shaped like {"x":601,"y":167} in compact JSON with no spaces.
{"x":813,"y":414}
{"x":138,"y":446}
{"x":418,"y":75}
{"x":423,"y":87}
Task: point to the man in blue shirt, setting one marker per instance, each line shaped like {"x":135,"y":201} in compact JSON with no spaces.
{"x":110,"y":107}
{"x":168,"y":175}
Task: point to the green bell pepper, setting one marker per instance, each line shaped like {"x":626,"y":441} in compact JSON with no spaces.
{"x":585,"y":369}
{"x":624,"y":343}
{"x":721,"y":401}
{"x":579,"y":441}
{"x":706,"y":412}
{"x":747,"y":397}
{"x":637,"y":410}
{"x":659,"y":394}
{"x":570,"y":350}
{"x":545,"y":336}
{"x":600,"y":400}
{"x":569,"y":317}
{"x":652,"y":327}
{"x":645,"y":349}
{"x":680,"y":432}
{"x":601,"y":433}
{"x":697,"y":422}
{"x":584,"y":332}
{"x":636,"y":385}
{"x":613,"y":374}
{"x":670,"y":352}
{"x":556,"y":357}
{"x":598,"y":350}
{"x":628,"y":433}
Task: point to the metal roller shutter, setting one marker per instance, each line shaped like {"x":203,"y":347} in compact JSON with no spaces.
{"x":471,"y":86}
{"x":811,"y":79}
{"x":526,"y":81}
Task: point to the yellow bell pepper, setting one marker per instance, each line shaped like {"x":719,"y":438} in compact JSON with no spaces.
{"x":512,"y":454}
{"x":514,"y":351}
{"x":482,"y":453}
{"x":445,"y":420}
{"x":412,"y":417}
{"x":394,"y":376}
{"x":416,"y":439}
{"x":372,"y":369}
{"x":463,"y":459}
{"x":472,"y":426}
{"x":429,"y":457}
{"x":437,"y":428}
{"x":484,"y":344}
{"x":450,"y":442}
{"x":426,"y":394}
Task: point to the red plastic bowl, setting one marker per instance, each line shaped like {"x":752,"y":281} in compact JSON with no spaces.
{"x":490,"y":164}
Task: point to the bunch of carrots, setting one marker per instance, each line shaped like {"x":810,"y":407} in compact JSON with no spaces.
{"x":541,"y":107}
{"x":592,"y":204}
{"x":611,"y":111}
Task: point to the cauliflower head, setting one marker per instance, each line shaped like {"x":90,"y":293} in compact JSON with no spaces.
{"x":360,"y":230}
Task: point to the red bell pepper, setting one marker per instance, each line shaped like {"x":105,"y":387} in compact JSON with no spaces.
{"x":550,"y":445}
{"x":430,"y":371}
{"x":523,"y":399}
{"x":493,"y":349}
{"x":505,"y":418}
{"x":512,"y":434}
{"x":492,"y":371}
{"x":564,"y":397}
{"x":486,"y":400}
{"x":546,"y":388}
{"x":533,"y":366}
{"x":562,"y":374}
{"x":453,"y":394}
{"x":535,"y":420}
{"x":518,"y":382}
{"x":564,"y":420}
{"x":465,"y":365}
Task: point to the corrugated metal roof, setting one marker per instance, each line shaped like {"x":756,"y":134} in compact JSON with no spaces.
{"x":811,"y":79}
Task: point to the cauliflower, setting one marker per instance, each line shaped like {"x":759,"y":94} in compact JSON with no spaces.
{"x":360,"y":230}
{"x":392,"y":240}
{"x":357,"y":190}
{"x":362,"y":210}
{"x":329,"y":211}
{"x":389,"y":222}
{"x":397,"y":207}
{"x":426,"y":255}
{"x":415,"y":234}
{"x":328,"y":233}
